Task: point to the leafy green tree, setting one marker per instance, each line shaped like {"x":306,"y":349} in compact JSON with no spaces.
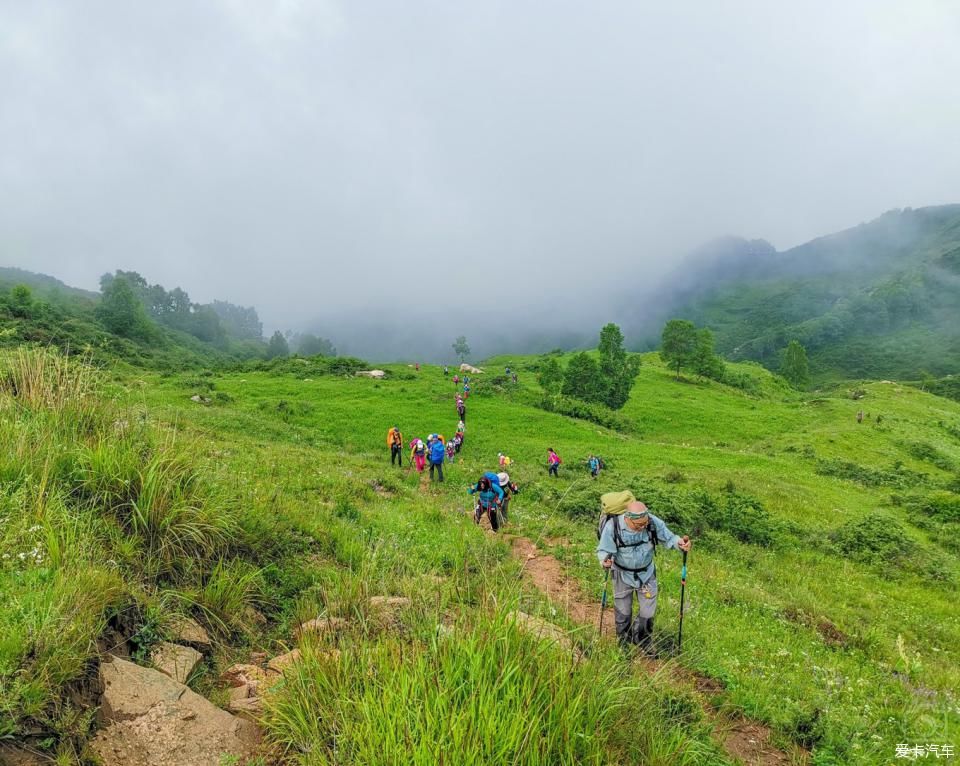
{"x":309,"y":344}
{"x":21,"y":301}
{"x":277,"y":346}
{"x":582,"y":378}
{"x":706,"y":363}
{"x":241,"y":323}
{"x":678,"y":344}
{"x":550,"y":377}
{"x":795,"y":367}
{"x":120,"y":310}
{"x":618,"y":370}
{"x":461,"y":348}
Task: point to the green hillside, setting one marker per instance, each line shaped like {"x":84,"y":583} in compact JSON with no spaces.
{"x":881,"y":300}
{"x":822,"y":584}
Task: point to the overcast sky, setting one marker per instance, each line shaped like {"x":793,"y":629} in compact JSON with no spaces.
{"x":315,"y":157}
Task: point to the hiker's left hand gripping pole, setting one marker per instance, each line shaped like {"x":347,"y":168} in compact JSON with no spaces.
{"x":603,"y":598}
{"x":683,"y":587}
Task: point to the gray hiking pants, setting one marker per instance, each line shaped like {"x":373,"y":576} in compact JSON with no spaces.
{"x":630,"y":630}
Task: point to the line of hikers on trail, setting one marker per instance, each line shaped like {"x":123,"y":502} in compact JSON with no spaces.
{"x":627,"y":533}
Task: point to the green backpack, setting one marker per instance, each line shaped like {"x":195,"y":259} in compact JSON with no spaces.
{"x":612,"y":506}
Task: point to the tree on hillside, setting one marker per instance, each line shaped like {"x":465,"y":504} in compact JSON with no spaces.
{"x":21,"y":301}
{"x":309,"y":344}
{"x":795,"y":368}
{"x":582,"y":378}
{"x":678,"y":344}
{"x":240,"y":322}
{"x":550,"y":377}
{"x":277,"y":346}
{"x":618,"y":370}
{"x":120,"y":310}
{"x":706,"y":363}
{"x":461,"y":348}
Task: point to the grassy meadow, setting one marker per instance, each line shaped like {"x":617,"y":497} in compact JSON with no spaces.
{"x":822,"y":586}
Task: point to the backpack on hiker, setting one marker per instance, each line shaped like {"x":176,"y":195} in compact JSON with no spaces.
{"x":612,"y":507}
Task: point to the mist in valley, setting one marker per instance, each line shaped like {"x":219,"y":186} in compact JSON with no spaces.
{"x":393,"y":176}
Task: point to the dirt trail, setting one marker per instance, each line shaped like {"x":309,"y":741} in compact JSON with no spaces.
{"x":742,"y":739}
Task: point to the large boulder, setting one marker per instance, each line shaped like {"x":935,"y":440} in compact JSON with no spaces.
{"x":149,"y":719}
{"x":471,"y":369}
{"x":378,"y":374}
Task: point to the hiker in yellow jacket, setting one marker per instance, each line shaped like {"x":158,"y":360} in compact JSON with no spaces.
{"x":395,"y":443}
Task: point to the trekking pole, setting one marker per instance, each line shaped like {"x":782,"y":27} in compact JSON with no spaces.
{"x":603,"y":601}
{"x":683,"y":587}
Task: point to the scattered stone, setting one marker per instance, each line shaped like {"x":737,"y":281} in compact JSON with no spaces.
{"x":199,"y":399}
{"x":258,"y":658}
{"x":321,"y":625}
{"x":389,"y":603}
{"x":250,"y":708}
{"x":174,"y":660}
{"x":546,"y":631}
{"x":282,"y":662}
{"x":378,"y":374}
{"x":242,"y":674}
{"x":185,"y":630}
{"x":152,"y":720}
{"x":471,"y":369}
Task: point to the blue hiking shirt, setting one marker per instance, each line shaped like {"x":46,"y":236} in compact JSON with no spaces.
{"x":437,"y":452}
{"x":639,"y":557}
{"x":488,"y":497}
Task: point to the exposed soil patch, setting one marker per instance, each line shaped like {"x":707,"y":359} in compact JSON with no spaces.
{"x":743,"y":739}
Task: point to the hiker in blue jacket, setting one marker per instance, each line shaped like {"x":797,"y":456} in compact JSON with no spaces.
{"x":438,"y":453}
{"x":490,"y":498}
{"x":626,"y":548}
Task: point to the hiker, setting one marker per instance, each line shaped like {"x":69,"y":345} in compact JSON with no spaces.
{"x":466,"y":390}
{"x":553,"y":462}
{"x":456,"y":380}
{"x":503,"y":460}
{"x":859,"y":416}
{"x":509,"y":489}
{"x":506,"y":371}
{"x":461,"y":409}
{"x":490,"y":497}
{"x":417,"y":365}
{"x":395,"y":443}
{"x":457,"y":441}
{"x":461,"y":427}
{"x":452,"y":450}
{"x":626,"y":547}
{"x":446,"y":370}
{"x":594,"y":464}
{"x":419,"y":455}
{"x":514,"y":377}
{"x":438,"y":453}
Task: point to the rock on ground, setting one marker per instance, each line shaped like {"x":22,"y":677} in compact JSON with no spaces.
{"x":174,"y":660}
{"x":545,"y":631}
{"x":151,"y":720}
{"x":321,"y":625}
{"x":185,"y":630}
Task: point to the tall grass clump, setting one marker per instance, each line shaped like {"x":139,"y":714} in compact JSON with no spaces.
{"x":477,"y":693}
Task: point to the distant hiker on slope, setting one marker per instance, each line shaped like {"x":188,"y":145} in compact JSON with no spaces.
{"x":419,"y":455}
{"x":438,"y":453}
{"x":461,"y":409}
{"x":553,"y":462}
{"x":452,"y":450}
{"x":628,"y":538}
{"x":395,"y":443}
{"x":503,"y":460}
{"x":490,"y":497}
{"x":593,"y":463}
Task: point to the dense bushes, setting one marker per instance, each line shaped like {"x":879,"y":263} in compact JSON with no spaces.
{"x":694,"y":511}
{"x":896,"y":476}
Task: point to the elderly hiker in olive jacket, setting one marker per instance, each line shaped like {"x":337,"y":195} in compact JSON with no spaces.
{"x":626,"y":548}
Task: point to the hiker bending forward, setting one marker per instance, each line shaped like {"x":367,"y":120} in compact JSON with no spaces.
{"x":626,"y":548}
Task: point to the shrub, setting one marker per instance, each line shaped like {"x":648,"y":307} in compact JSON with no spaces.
{"x":944,"y":506}
{"x":896,"y":476}
{"x":930,"y":454}
{"x":875,"y":538}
